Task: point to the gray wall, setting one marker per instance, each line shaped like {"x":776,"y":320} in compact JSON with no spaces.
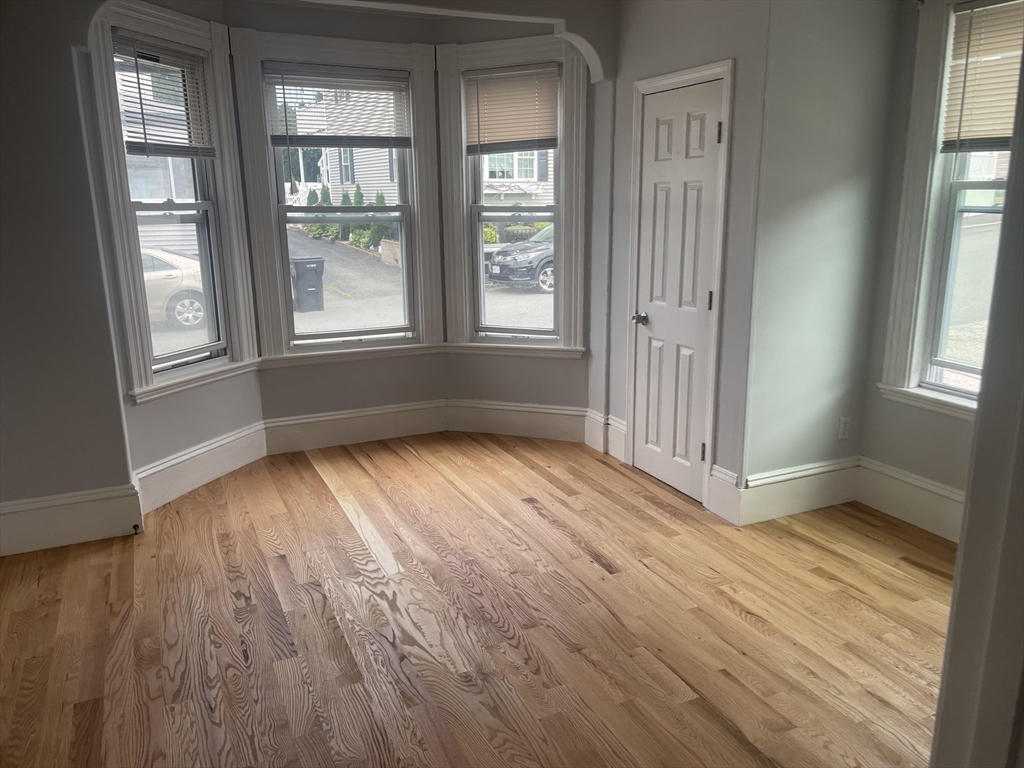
{"x":60,"y":415}
{"x":822,"y":192}
{"x":661,"y":37}
{"x":932,"y":445}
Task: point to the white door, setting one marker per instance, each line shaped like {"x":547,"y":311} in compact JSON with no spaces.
{"x":679,"y":185}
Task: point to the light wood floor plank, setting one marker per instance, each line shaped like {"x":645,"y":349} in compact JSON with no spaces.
{"x":473,"y":600}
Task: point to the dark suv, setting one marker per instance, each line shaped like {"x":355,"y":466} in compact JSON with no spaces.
{"x":530,"y":263}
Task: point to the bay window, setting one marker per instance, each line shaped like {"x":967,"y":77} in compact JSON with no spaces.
{"x":965,"y":93}
{"x":513,"y":179}
{"x":344,"y":244}
{"x":170,"y":168}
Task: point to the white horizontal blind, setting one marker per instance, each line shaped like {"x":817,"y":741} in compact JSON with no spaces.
{"x":981,"y":84}
{"x":324,"y":107}
{"x":163,"y":99}
{"x":511,"y":111}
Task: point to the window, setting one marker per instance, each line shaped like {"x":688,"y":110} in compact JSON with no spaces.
{"x":166,"y":128}
{"x":345,"y":248}
{"x":511,"y":117}
{"x":957,"y":181}
{"x":981,"y":94}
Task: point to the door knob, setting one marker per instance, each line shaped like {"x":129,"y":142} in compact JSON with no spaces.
{"x":640,"y":318}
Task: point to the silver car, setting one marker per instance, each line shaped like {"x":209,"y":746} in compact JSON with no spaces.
{"x":174,"y":289}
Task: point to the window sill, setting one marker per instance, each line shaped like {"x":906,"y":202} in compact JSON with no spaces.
{"x":958,"y":407}
{"x":194,"y":376}
{"x":295,"y":358}
{"x":516,"y":350}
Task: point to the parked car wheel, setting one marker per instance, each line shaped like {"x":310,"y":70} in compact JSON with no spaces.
{"x":186,"y":311}
{"x":546,"y":277}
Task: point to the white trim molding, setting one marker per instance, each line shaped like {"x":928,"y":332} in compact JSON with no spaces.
{"x":606,"y":434}
{"x":932,"y":400}
{"x":804,"y":470}
{"x":721,"y":70}
{"x":69,"y":518}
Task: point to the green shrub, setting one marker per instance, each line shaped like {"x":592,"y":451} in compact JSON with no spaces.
{"x":346,"y":229}
{"x":378,"y":231}
{"x":323,"y":231}
{"x":516,"y":233}
{"x":360,"y":237}
{"x":325,"y":195}
{"x":539,"y":225}
{"x":311,"y":198}
{"x":357,"y":198}
{"x":490,"y":234}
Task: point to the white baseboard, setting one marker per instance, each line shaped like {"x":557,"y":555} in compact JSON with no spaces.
{"x":169,"y":478}
{"x":522,"y":419}
{"x":935,"y":507}
{"x":319,"y":430}
{"x":617,"y":438}
{"x":929,"y":505}
{"x":70,"y":518}
{"x":606,"y":434}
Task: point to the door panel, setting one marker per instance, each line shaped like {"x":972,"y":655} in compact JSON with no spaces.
{"x":678,"y":194}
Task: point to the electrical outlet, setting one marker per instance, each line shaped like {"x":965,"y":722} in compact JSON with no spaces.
{"x":844,"y":428}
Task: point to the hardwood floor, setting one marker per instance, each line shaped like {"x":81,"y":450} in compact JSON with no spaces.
{"x":472,"y":600}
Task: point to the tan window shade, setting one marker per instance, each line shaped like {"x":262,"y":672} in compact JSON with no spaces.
{"x":511,"y":111}
{"x":327,"y":107}
{"x":981,"y":84}
{"x":163,"y":100}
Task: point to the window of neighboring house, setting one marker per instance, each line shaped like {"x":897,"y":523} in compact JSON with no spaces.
{"x":347,"y":262}
{"x":956,"y":248}
{"x":511,"y":117}
{"x":981,"y":90}
{"x":513,"y":166}
{"x":166,"y":128}
{"x":347,"y":167}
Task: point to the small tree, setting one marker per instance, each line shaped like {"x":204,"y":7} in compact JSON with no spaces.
{"x":378,"y":231}
{"x":325,"y":195}
{"x":357,"y":198}
{"x":311,"y":198}
{"x":345,"y":231}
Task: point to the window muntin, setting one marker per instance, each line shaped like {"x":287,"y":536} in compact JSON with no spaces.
{"x":980,"y":98}
{"x":165,"y":126}
{"x":511,"y":144}
{"x":344,"y":240}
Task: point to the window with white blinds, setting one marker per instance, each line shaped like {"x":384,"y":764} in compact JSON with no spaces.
{"x":163,"y":99}
{"x":511,"y":111}
{"x":981,"y":83}
{"x":329,"y":107}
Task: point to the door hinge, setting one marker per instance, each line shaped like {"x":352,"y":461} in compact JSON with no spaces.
{"x":710,"y":297}
{"x":703,"y":449}
{"x":719,"y":132}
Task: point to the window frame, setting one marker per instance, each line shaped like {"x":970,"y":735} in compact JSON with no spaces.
{"x":249,"y":50}
{"x":226,"y":215}
{"x":923,"y":243}
{"x":458,"y":172}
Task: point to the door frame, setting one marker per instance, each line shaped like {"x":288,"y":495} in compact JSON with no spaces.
{"x":720,"y":70}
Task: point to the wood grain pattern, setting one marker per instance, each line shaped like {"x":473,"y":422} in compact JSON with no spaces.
{"x":472,"y":600}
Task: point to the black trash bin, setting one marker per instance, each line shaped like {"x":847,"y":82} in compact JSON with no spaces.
{"x":308,"y":283}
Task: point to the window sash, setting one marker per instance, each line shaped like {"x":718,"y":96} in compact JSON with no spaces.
{"x":512,"y":214}
{"x":336,"y":214}
{"x":943,"y":291}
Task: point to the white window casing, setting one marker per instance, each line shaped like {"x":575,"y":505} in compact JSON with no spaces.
{"x":529,"y":56}
{"x":209,"y":136}
{"x":920,"y":232}
{"x":301,"y":54}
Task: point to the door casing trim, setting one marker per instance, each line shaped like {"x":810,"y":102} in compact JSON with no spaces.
{"x":721,"y":70}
